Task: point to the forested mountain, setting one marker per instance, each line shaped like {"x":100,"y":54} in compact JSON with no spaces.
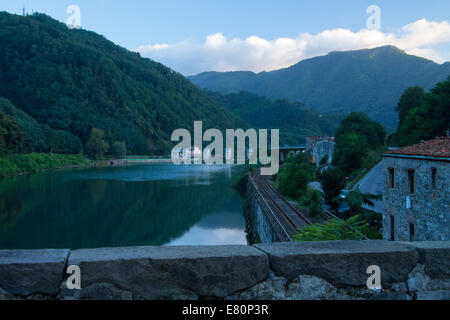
{"x":369,"y":81}
{"x":75,"y":80}
{"x":294,"y":120}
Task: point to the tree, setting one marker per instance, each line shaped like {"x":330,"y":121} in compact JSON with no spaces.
{"x":437,"y":107}
{"x":411,"y":98}
{"x":324,"y":160}
{"x":350,"y":151}
{"x":119,"y":149}
{"x":424,"y":120}
{"x":312,"y":200}
{"x":96,"y":146}
{"x":360,"y":123}
{"x":294,"y":176}
{"x":356,"y":199}
{"x":333,"y":181}
{"x":10,"y":134}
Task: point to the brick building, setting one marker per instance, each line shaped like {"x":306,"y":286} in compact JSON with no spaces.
{"x":417,"y":192}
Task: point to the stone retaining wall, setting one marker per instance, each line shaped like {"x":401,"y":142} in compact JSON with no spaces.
{"x":263,"y":221}
{"x":302,"y":270}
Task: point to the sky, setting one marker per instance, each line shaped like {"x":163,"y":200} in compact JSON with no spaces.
{"x":193,"y":36}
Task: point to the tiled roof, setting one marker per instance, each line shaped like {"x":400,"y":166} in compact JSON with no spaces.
{"x":439,"y":148}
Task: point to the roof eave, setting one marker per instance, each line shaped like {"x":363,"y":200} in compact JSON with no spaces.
{"x":418,"y":157}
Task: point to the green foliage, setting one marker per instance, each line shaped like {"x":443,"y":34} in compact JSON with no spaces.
{"x":349,"y":152}
{"x":14,"y":164}
{"x":10,"y":135}
{"x":356,"y":199}
{"x":118,"y":149}
{"x":294,"y":176}
{"x":333,"y":181}
{"x":354,"y":228}
{"x":74,"y":80}
{"x":97,"y":146}
{"x":360,"y":124}
{"x":294,"y":120}
{"x":60,"y":141}
{"x":239,"y":182}
{"x":369,"y":81}
{"x":358,"y":140}
{"x":324,"y":160}
{"x":312,"y":201}
{"x":38,"y":137}
{"x":424,"y":118}
{"x":410,"y":99}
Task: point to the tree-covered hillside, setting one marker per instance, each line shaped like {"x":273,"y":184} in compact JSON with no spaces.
{"x":294,"y":120}
{"x":423,"y":115}
{"x":369,"y":81}
{"x":35,"y":137}
{"x":75,"y":80}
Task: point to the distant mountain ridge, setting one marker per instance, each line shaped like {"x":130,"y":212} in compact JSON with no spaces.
{"x":370,"y":80}
{"x":74,"y":80}
{"x":293,"y":119}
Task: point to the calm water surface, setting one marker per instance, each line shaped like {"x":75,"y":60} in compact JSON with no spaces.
{"x":160,"y":204}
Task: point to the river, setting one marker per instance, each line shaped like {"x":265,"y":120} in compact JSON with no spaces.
{"x":157,"y":204}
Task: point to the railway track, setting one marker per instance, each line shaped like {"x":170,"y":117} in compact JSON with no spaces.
{"x":328,"y":215}
{"x":289,"y":217}
{"x":286,"y":214}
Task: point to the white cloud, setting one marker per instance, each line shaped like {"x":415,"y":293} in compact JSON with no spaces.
{"x":218,"y":53}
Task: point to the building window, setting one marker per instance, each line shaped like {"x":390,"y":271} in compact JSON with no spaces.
{"x":412,"y":232}
{"x":392,"y":228}
{"x":391,"y":178}
{"x":433,"y":178}
{"x":411,"y":181}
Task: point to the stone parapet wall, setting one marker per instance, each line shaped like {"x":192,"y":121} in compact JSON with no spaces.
{"x":301,"y":270}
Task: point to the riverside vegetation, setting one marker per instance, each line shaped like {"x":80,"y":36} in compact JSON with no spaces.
{"x":16,"y":164}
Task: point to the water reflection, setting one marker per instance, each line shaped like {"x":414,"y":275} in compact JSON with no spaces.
{"x":139,"y":205}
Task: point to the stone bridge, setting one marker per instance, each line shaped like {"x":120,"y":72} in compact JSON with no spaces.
{"x":299,"y":270}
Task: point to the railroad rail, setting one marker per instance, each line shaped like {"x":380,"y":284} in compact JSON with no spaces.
{"x":287,"y":215}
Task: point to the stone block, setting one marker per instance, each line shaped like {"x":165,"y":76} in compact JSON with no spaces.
{"x":27,"y":272}
{"x":342,"y":263}
{"x":433,"y":295}
{"x":164,"y":272}
{"x":435,"y":256}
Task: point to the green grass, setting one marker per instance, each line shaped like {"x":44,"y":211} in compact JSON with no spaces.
{"x":16,"y":164}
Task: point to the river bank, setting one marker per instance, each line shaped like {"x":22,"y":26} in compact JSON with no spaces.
{"x":19,"y":164}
